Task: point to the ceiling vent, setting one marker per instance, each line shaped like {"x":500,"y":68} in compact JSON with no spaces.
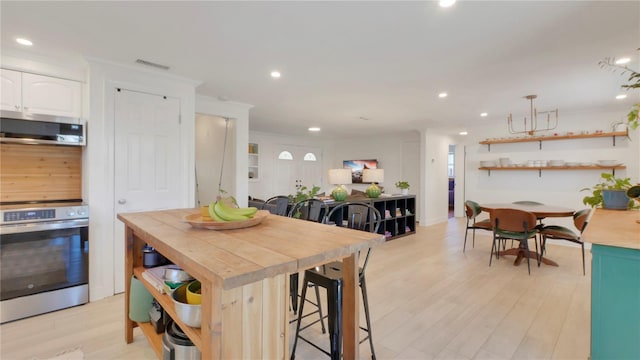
{"x":149,"y":63}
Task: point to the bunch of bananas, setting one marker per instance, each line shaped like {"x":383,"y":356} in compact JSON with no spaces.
{"x":219,"y":211}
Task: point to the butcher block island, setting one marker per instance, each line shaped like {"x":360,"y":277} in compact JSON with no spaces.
{"x":244,"y":275}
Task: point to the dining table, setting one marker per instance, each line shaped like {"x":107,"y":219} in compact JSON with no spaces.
{"x":541,"y":211}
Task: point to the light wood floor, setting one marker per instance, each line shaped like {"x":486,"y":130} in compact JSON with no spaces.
{"x":428,"y":300}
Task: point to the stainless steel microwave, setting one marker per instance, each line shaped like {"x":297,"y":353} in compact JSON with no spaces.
{"x":16,"y":127}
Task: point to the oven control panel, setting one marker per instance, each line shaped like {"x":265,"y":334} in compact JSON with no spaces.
{"x":14,"y":216}
{"x":22,"y":215}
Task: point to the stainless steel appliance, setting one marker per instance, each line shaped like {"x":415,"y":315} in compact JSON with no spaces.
{"x":44,"y":258}
{"x":176,"y":345}
{"x":41,"y":129}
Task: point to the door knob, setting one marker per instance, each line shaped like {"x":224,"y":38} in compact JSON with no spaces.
{"x":122,"y":201}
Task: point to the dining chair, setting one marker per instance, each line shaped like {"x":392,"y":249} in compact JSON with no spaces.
{"x":277,"y":205}
{"x":516,"y":225}
{"x":557,"y":232}
{"x":310,"y":210}
{"x":472,"y":210}
{"x":354,"y":215}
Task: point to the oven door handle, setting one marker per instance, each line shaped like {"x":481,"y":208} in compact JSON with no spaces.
{"x":43,"y":226}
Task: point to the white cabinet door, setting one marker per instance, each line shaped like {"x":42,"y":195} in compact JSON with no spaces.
{"x":11,"y":90}
{"x":147,"y":160}
{"x":52,"y":96}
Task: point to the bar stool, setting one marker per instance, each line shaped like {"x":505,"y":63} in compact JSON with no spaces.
{"x":311,"y":210}
{"x":354,"y":215}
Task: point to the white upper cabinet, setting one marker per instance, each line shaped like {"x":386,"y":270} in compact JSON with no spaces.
{"x":11,"y":94}
{"x":52,"y":96}
{"x":37,"y":94}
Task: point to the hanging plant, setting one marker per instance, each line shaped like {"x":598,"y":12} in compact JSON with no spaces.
{"x":633,"y":83}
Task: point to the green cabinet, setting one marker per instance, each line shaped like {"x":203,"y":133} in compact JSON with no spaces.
{"x":615,"y":303}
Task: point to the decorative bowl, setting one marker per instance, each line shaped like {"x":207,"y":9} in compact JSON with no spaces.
{"x":197,"y":221}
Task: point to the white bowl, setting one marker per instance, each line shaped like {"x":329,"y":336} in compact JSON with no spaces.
{"x":487,"y":163}
{"x":609,"y":162}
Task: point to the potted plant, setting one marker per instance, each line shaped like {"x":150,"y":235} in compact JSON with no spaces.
{"x":403,"y":186}
{"x":610,"y":193}
{"x":632,"y":120}
{"x":303,"y":193}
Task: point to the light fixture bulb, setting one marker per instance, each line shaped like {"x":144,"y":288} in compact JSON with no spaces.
{"x":23,"y":41}
{"x":275,"y":74}
{"x":621,"y":96}
{"x":446,"y":3}
{"x":623,"y":61}
{"x":314,"y":129}
{"x":442,"y":95}
{"x":463,"y":133}
{"x":483,"y":114}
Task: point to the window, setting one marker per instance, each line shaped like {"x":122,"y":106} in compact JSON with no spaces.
{"x":285,"y":155}
{"x":309,"y":157}
{"x":450,"y":164}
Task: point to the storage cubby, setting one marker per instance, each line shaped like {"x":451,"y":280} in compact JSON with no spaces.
{"x":398,"y":214}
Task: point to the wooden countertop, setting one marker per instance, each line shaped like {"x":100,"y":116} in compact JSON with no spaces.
{"x":614,"y":228}
{"x":234,"y":258}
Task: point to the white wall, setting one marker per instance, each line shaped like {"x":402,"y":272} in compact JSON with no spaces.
{"x":387,"y":149}
{"x":559,"y":187}
{"x":98,"y":168}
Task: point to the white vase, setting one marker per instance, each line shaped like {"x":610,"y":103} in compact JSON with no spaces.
{"x":404,"y":191}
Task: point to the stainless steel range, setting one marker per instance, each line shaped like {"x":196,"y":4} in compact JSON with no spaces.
{"x":44,"y":258}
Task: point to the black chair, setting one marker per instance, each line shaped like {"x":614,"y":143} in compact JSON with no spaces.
{"x":515,"y":225}
{"x":557,"y":232}
{"x":277,"y":205}
{"x":354,"y":215}
{"x":472,"y":210}
{"x":310,"y":210}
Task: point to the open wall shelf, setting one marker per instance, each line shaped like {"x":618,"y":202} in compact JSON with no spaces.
{"x":540,"y":139}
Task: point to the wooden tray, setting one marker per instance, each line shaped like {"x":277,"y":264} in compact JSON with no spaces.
{"x":197,"y":221}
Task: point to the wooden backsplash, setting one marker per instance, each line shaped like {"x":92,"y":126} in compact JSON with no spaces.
{"x":40,"y":172}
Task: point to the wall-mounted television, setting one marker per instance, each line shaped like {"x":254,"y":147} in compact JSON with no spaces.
{"x":357,"y":166}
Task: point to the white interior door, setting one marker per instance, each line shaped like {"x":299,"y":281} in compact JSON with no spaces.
{"x":303,"y":169}
{"x":147,"y":156}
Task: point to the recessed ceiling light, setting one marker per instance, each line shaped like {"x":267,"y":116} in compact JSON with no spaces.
{"x":463,"y":133}
{"x":275,"y":74}
{"x":25,"y":42}
{"x":621,"y":96}
{"x":446,"y":3}
{"x":483,"y":114}
{"x":442,"y":95}
{"x":623,"y":61}
{"x":314,"y":129}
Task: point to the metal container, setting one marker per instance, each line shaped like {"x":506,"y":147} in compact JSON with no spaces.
{"x":177,"y":346}
{"x":175,"y":274}
{"x":151,"y":258}
{"x":190,"y":314}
